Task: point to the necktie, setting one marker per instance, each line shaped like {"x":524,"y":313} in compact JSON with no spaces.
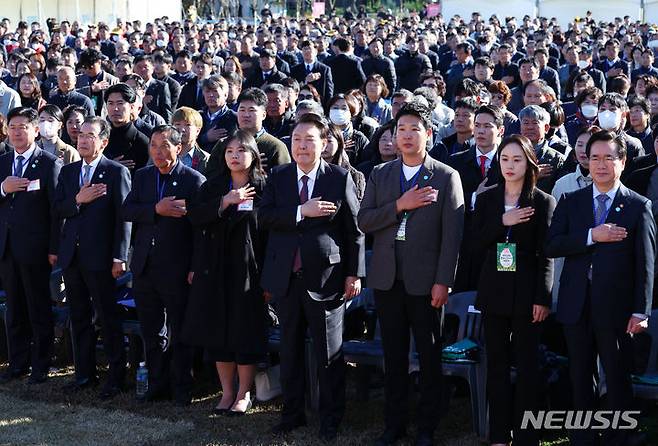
{"x":18,"y":167}
{"x":86,"y":177}
{"x":483,"y":165}
{"x":600,"y":214}
{"x":303,"y":198}
{"x":308,"y":70}
{"x":599,"y":218}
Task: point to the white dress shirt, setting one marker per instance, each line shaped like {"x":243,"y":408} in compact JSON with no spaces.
{"x":310,"y":183}
{"x":487,"y":164}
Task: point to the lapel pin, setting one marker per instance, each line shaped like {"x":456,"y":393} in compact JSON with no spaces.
{"x":174,"y":183}
{"x":621,"y":205}
{"x":34,"y":165}
{"x":101,"y":175}
{"x":617,"y":209}
{"x":425,"y":177}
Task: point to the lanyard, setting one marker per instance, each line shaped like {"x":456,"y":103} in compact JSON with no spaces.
{"x":509,"y":230}
{"x":160,"y":187}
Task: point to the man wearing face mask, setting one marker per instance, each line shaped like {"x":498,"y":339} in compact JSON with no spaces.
{"x":585,"y":64}
{"x":613,"y":112}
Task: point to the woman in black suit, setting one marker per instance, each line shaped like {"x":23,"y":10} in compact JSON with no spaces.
{"x":514,"y":292}
{"x":227,"y":310}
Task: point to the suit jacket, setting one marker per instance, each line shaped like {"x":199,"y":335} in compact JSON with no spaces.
{"x":513,"y":293}
{"x":331,"y":248}
{"x":467,"y":165}
{"x":433,"y":233}
{"x":346,"y":72}
{"x":620,"y":63}
{"x":161,"y":98}
{"x":83,"y":85}
{"x":256,"y":80}
{"x":96,"y":229}
{"x":28,"y":223}
{"x":174,"y":90}
{"x":188,"y":96}
{"x":622,"y":272}
{"x":324,"y":85}
{"x":163,"y":242}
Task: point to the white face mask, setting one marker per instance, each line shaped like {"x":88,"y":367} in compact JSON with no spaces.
{"x":48,"y":129}
{"x":589,"y":111}
{"x":608,"y":120}
{"x":339,"y":117}
{"x":582,"y":64}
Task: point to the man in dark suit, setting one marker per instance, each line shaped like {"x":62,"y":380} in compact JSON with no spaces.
{"x":94,"y":81}
{"x":162,"y":72}
{"x":414,"y":208}
{"x":267,"y":72}
{"x":478,"y":169}
{"x":314,"y":259}
{"x":158,"y":96}
{"x":192,"y":93}
{"x":28,"y":246}
{"x":346,"y":69}
{"x":377,"y":63}
{"x":93,"y":251}
{"x":612,"y":65}
{"x":161,"y":262}
{"x":314,"y":72}
{"x":606,"y":233}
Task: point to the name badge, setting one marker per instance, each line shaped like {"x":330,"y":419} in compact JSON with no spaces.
{"x":402,"y":229}
{"x":247,"y":205}
{"x":506,"y":257}
{"x":34,"y":185}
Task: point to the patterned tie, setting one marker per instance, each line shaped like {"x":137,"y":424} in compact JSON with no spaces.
{"x":303,"y":198}
{"x":483,"y":165}
{"x":18,"y":167}
{"x":86,"y":178}
{"x":599,"y":216}
{"x":308,"y":70}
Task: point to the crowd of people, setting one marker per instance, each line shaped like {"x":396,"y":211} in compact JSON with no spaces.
{"x":240,"y":169}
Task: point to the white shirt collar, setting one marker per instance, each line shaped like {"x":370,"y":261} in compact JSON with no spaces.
{"x":611,"y":193}
{"x":311,"y":175}
{"x":410,"y":171}
{"x":27,"y":154}
{"x":490,"y":155}
{"x":94,"y":163}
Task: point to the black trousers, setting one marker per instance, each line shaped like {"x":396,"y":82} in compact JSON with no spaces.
{"x":585,"y":341}
{"x":399,"y":312}
{"x":506,"y":338}
{"x":29,"y":317}
{"x":298,"y":312}
{"x":161,"y":308}
{"x":88,"y":293}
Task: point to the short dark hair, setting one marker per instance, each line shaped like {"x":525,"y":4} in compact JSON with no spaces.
{"x":104,"y":126}
{"x":143,"y":58}
{"x":173,"y":135}
{"x":184,"y":54}
{"x":342,"y":44}
{"x":607,"y":136}
{"x":255,"y":95}
{"x":317,"y":121}
{"x":163,"y":58}
{"x":418,"y":109}
{"x":484,"y":61}
{"x":614,"y":99}
{"x":24,"y":112}
{"x":464,"y":47}
{"x":640,"y":101}
{"x":126,"y":91}
{"x":495,"y":112}
{"x":89,"y":57}
{"x":468,"y":103}
{"x":528,"y":60}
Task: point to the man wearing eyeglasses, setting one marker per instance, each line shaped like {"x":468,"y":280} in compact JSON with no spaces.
{"x":28,"y":247}
{"x":607,"y":235}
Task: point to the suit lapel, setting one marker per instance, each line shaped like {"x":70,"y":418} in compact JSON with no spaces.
{"x":99,"y":172}
{"x":587,"y":206}
{"x":33,"y":163}
{"x":320,"y":185}
{"x":616,"y":212}
{"x":172,"y":188}
{"x":426,"y":173}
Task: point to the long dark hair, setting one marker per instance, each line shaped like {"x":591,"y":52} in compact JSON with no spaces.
{"x":246,"y":140}
{"x":532,"y":170}
{"x":339,"y":158}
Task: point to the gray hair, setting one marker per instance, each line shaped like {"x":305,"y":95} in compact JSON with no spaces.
{"x":309,"y":106}
{"x":214,"y":82}
{"x":536,"y":113}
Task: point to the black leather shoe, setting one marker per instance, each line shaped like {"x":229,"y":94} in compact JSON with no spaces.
{"x":390,"y":437}
{"x":37,"y":378}
{"x":424,"y":439}
{"x":11,"y":375}
{"x":328,"y":433}
{"x":285,"y":427}
{"x":109,"y":391}
{"x":78,"y":385}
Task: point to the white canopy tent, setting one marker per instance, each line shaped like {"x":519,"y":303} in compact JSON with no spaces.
{"x":563,"y":10}
{"x":89,"y":11}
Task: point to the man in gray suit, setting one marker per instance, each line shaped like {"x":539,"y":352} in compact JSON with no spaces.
{"x":414,"y":208}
